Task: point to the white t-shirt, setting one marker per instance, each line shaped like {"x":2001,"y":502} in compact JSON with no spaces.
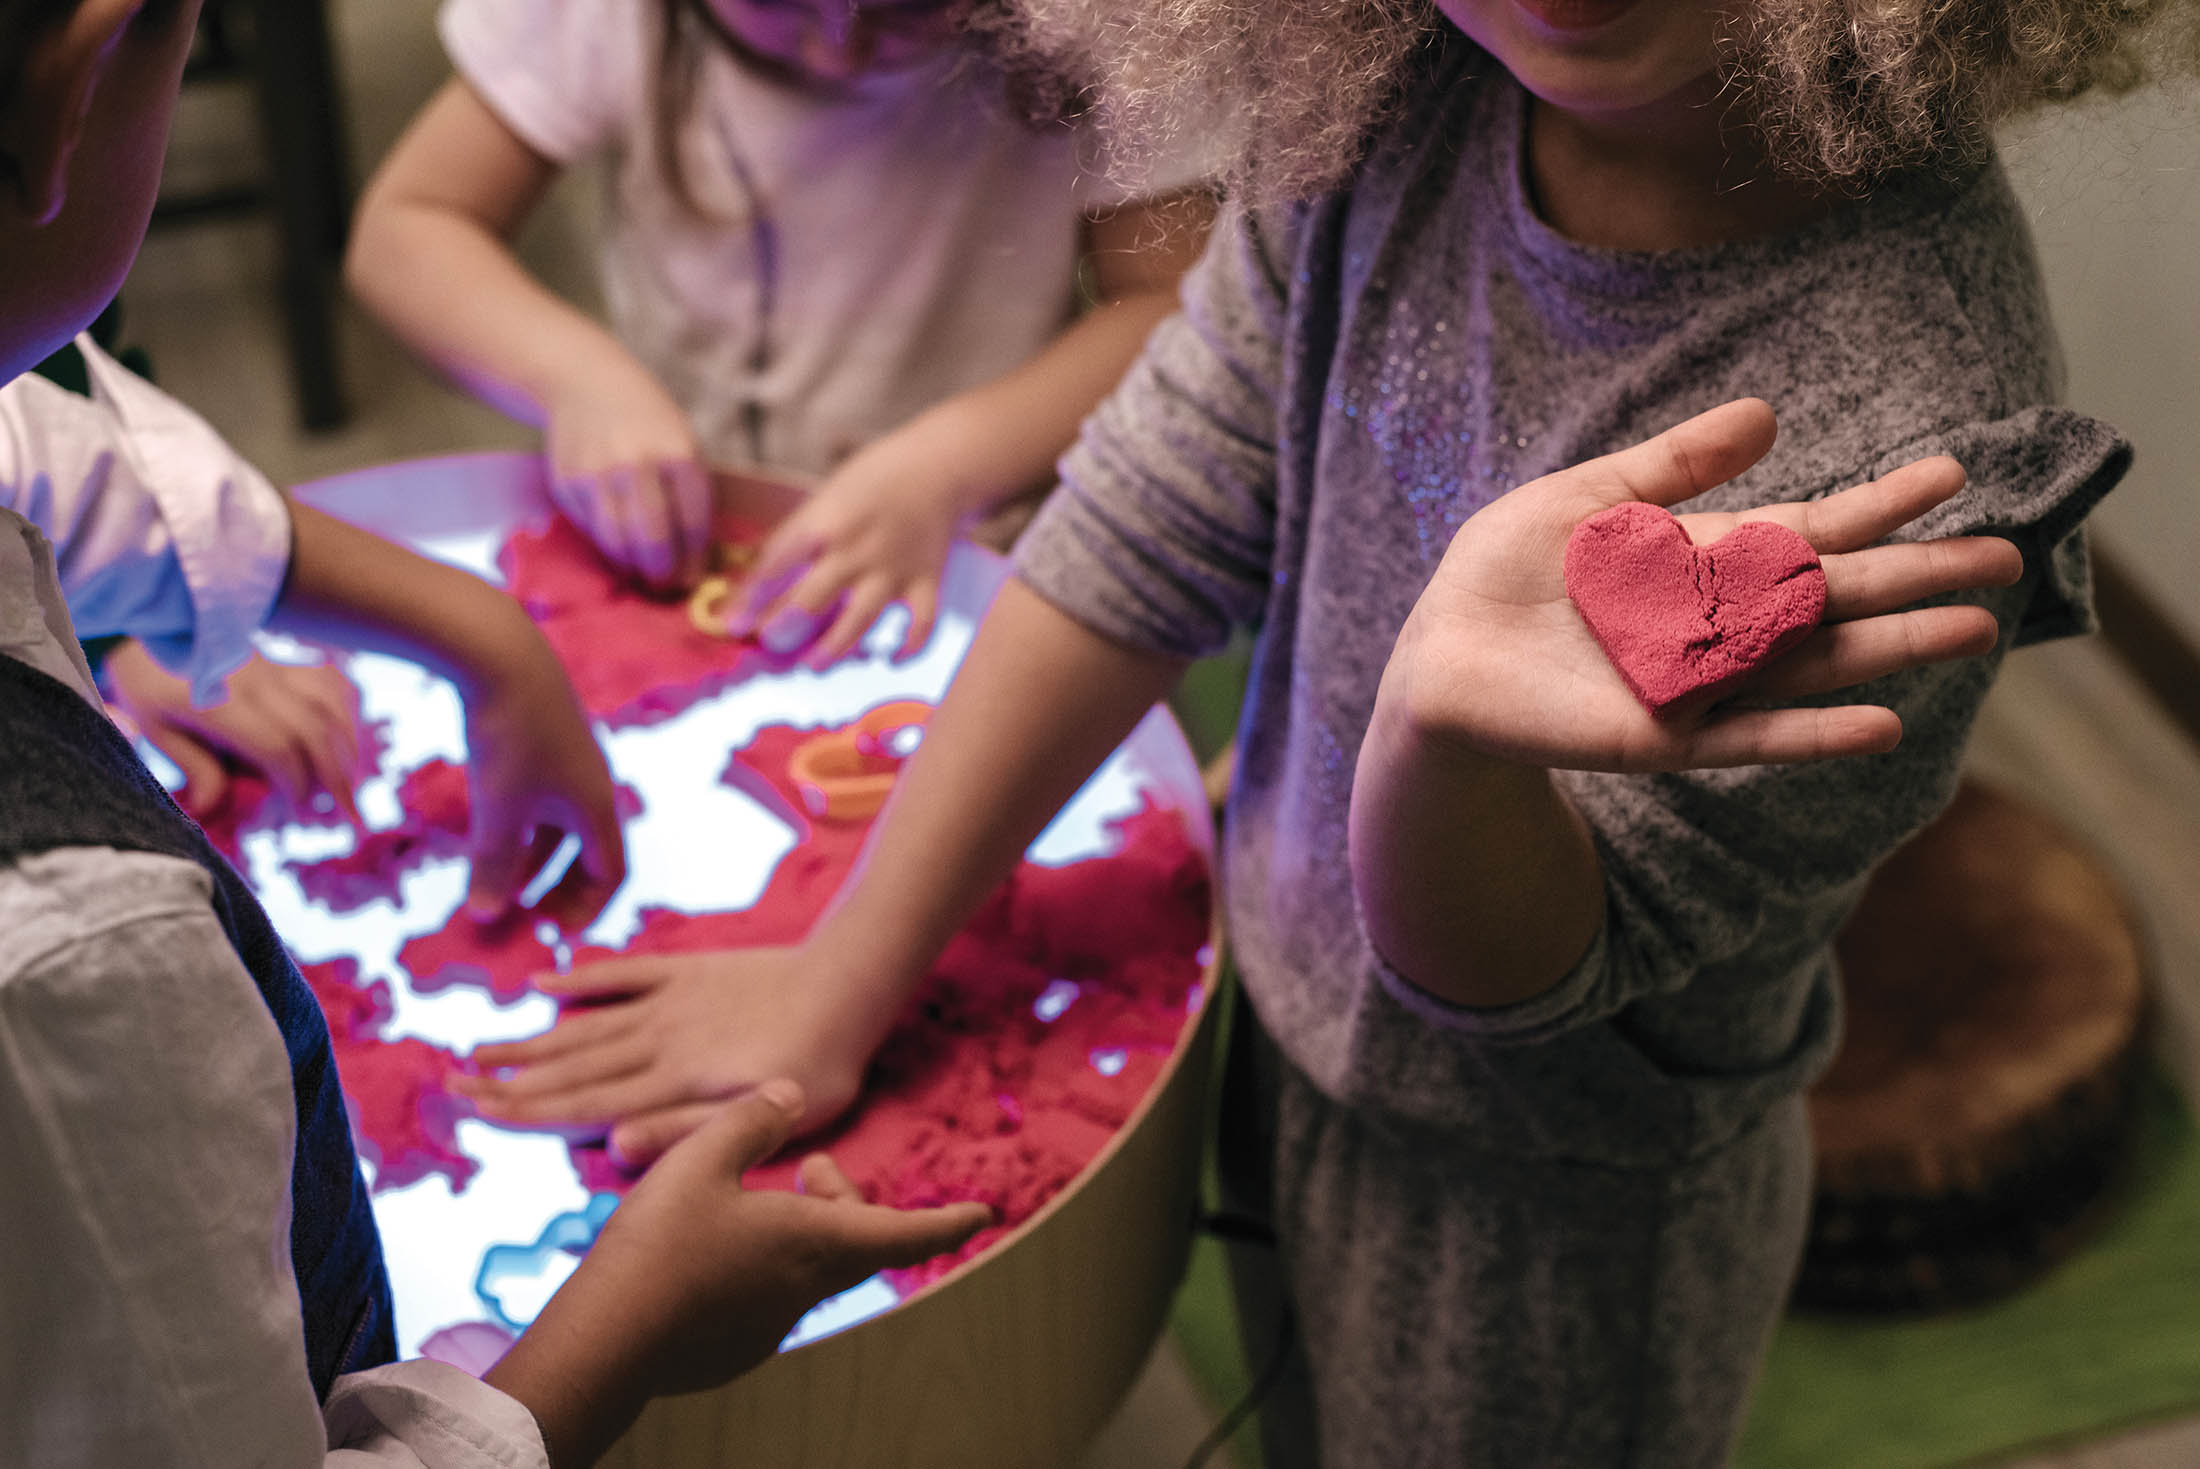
{"x":873,"y":252}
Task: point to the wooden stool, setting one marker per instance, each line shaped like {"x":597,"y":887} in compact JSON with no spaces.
{"x":1983,"y":1096}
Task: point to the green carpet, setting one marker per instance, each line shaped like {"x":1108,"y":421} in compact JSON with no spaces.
{"x":2109,"y":1339}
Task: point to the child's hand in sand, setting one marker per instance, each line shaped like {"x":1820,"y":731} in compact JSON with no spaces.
{"x":875,"y":533}
{"x":536,"y":773}
{"x":299,"y":726}
{"x":1496,"y":660}
{"x":626,"y":469}
{"x":695,"y":1281}
{"x":675,"y":1036}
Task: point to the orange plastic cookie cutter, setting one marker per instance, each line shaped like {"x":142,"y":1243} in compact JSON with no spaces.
{"x":846,"y":774}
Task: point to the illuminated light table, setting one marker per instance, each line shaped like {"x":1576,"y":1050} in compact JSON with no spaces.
{"x":1014,"y":1358}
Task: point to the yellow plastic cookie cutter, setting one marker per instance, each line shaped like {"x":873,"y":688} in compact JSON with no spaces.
{"x":713,"y":596}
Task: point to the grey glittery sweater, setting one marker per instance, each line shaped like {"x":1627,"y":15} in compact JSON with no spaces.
{"x":1350,"y":379}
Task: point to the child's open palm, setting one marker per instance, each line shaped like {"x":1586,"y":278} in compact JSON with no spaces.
{"x":1496,"y":656}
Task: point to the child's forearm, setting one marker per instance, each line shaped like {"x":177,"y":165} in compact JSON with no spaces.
{"x":1039,"y":703}
{"x":355,"y":589}
{"x":1004,"y":436}
{"x":582,"y":1382}
{"x":1476,"y":877}
{"x":456,"y":295}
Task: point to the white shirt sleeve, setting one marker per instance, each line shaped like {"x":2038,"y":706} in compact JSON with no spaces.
{"x":159,"y":529}
{"x":569,"y":76}
{"x":148,"y":1312}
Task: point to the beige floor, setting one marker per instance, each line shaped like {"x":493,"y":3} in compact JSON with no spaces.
{"x":2066,"y":725}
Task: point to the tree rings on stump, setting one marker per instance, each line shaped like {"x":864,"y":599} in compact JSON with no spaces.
{"x":1985,"y":1089}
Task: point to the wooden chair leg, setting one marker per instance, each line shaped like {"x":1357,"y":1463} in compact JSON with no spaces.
{"x":301,"y":119}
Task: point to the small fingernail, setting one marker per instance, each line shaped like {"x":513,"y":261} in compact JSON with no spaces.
{"x":782,"y":1093}
{"x":787,"y":632}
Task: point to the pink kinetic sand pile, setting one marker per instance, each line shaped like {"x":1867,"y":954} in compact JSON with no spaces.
{"x":1038,"y":1033}
{"x":634,"y":658}
{"x":1035,"y":1036}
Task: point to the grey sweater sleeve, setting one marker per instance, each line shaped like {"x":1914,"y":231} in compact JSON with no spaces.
{"x":1264,"y":462}
{"x":1161,"y":534}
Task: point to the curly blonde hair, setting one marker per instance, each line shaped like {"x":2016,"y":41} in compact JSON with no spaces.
{"x":1847,"y":91}
{"x":1843,"y":91}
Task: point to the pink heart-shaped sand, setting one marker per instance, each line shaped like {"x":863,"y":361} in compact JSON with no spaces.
{"x":1678,"y":619}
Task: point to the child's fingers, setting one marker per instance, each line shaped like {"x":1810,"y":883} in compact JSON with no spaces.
{"x":573,"y":1032}
{"x":582,"y":497}
{"x":579,"y":895}
{"x":334,"y":701}
{"x":790,"y":548}
{"x":751,"y":1127}
{"x":820,"y":1177}
{"x":342,"y":730}
{"x":862,"y":608}
{"x":205,"y":783}
{"x":585,"y":887}
{"x":689,"y":497}
{"x":505,"y":855}
{"x":1844,"y":654}
{"x":590,"y":1104}
{"x":650,"y":529}
{"x":1863,"y":514}
{"x":879,"y":1238}
{"x":640,"y":1141}
{"x":1790,"y":736}
{"x":794,"y":624}
{"x":575,"y":1071}
{"x":630,"y":975}
{"x":283,"y":760}
{"x":323,"y":754}
{"x":621,"y":536}
{"x":1689,"y":458}
{"x":923,"y":602}
{"x":1884,"y":578}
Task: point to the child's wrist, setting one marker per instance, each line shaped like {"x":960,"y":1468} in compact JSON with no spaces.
{"x":856,"y":988}
{"x":584,"y":1386}
{"x":495,"y":652}
{"x":953,"y":438}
